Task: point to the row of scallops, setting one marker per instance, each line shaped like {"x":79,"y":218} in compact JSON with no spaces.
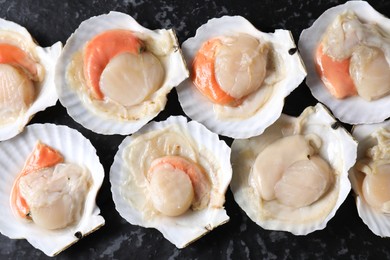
{"x":113,"y":77}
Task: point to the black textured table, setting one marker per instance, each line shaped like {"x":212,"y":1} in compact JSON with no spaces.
{"x":345,"y":236}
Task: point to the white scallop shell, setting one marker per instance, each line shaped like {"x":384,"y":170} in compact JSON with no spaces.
{"x":199,"y":108}
{"x":338,"y":149}
{"x":378,"y":223}
{"x":76,"y":149}
{"x":175,"y":68}
{"x":47,"y":96}
{"x":352,"y":110}
{"x":186,"y":228}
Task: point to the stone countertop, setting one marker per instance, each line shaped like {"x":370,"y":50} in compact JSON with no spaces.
{"x":345,"y":236}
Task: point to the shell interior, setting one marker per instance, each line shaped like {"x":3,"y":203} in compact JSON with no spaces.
{"x":353,"y":110}
{"x":97,"y":121}
{"x":76,"y":149}
{"x":338,"y":149}
{"x":186,"y":228}
{"x":47,"y":92}
{"x":199,"y":108}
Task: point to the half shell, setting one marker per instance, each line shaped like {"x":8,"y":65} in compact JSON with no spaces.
{"x":353,"y":110}
{"x":131,"y":195}
{"x":290,"y":74}
{"x":338,"y":149}
{"x":377,"y":222}
{"x":47,"y":94}
{"x":76,"y":149}
{"x":79,"y":104}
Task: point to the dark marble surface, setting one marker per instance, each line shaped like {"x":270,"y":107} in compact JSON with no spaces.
{"x":345,"y":236}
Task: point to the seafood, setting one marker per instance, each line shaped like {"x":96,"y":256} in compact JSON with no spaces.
{"x":347,"y":52}
{"x":27,"y":78}
{"x":294,"y":176}
{"x":114,"y":75}
{"x":370,"y":177}
{"x":49,"y":187}
{"x":172,"y":176}
{"x":239,"y":76}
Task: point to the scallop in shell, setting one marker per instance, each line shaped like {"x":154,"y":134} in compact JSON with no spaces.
{"x":370,"y":176}
{"x":27,"y":78}
{"x":172,"y":176}
{"x":114,"y":75}
{"x":43,"y":227}
{"x":347,"y":55}
{"x":294,"y":176}
{"x":240,"y":76}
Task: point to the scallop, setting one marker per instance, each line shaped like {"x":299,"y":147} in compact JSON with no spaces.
{"x":27,"y":78}
{"x":239,"y":76}
{"x":347,"y":55}
{"x":172,"y":175}
{"x":49,"y":187}
{"x":370,"y":176}
{"x":114,"y":75}
{"x":294,"y":176}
